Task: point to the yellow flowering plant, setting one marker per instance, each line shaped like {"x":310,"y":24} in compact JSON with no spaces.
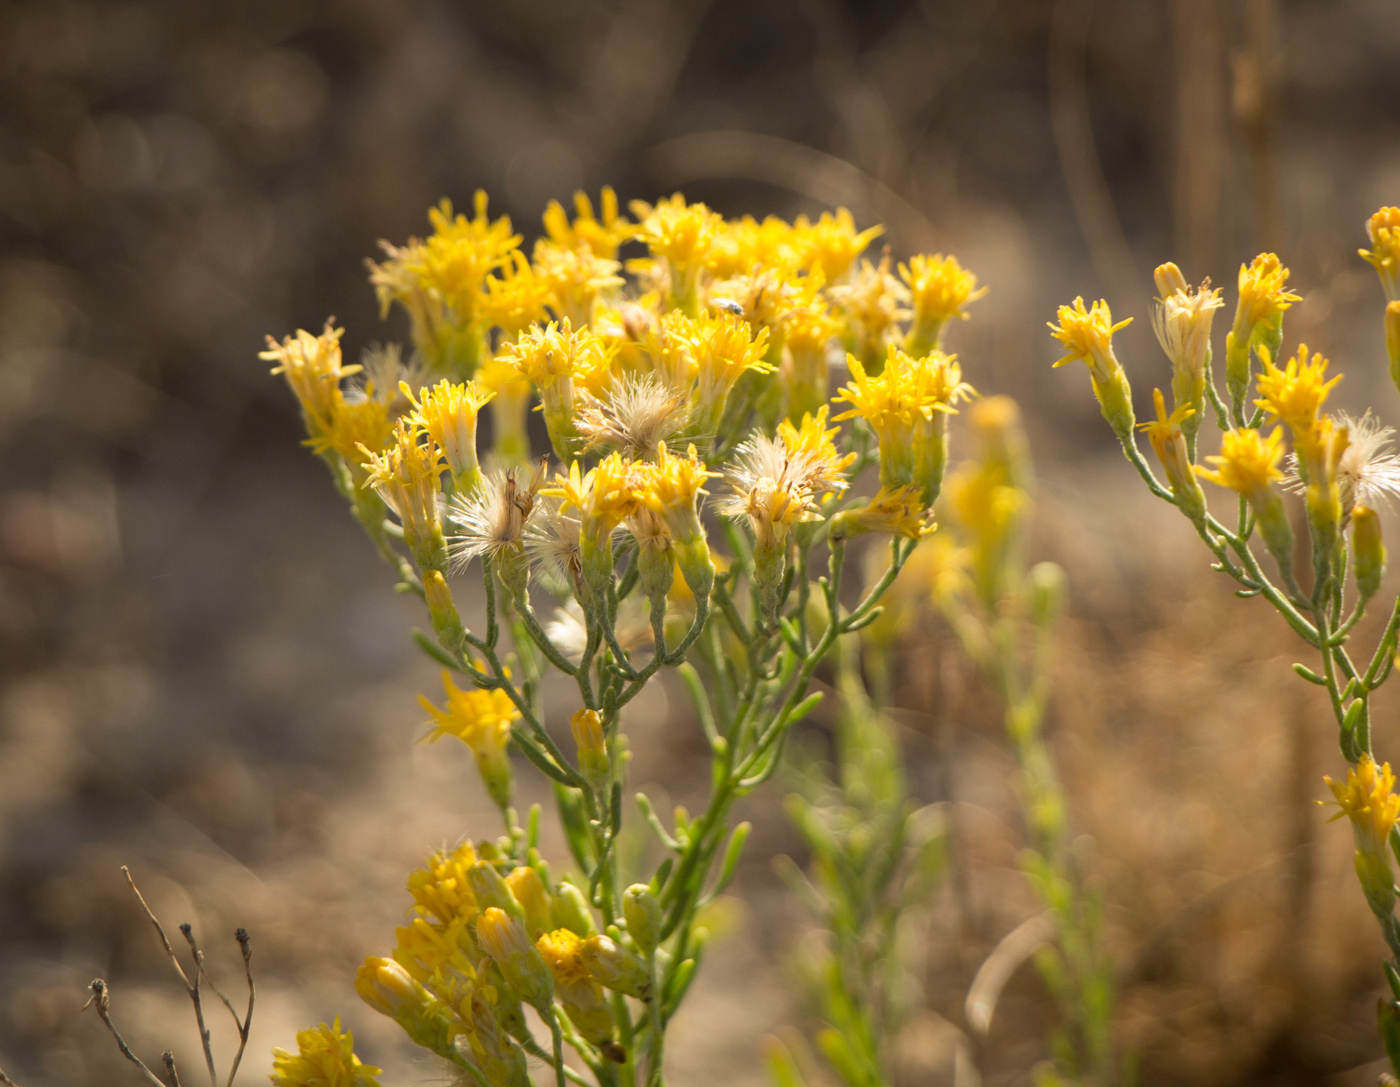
{"x":701,"y":374}
{"x":1341,"y":465}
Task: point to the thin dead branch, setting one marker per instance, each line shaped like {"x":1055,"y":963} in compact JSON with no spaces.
{"x":101,"y":1000}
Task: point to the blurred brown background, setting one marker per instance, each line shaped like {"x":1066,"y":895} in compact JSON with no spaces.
{"x":204,"y":673}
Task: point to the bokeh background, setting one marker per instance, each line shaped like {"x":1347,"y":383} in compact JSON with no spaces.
{"x":204,"y":673}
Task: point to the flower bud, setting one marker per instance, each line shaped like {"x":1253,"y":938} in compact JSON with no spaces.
{"x":615,"y":967}
{"x":528,"y":889}
{"x":441,"y":610}
{"x":491,"y":890}
{"x":387,"y":987}
{"x":656,"y":569}
{"x":1392,"y":340}
{"x":587,"y":728}
{"x":571,"y":911}
{"x":643,"y":915}
{"x":1368,"y":550}
{"x":506,"y":941}
{"x":696,"y":565}
{"x":1047,"y":592}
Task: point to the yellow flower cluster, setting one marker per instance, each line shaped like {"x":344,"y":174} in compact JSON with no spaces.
{"x":1383,"y":228}
{"x":482,"y":721}
{"x":325,"y":1057}
{"x":480,"y":945}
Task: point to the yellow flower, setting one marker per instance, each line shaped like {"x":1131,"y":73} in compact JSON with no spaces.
{"x":901,"y":512}
{"x":356,"y":426}
{"x":435,"y":955}
{"x":1088,"y":335}
{"x":1367,"y":799}
{"x":813,"y":455}
{"x":600,"y":235}
{"x":561,"y":951}
{"x":574,"y":279}
{"x":549,"y":355}
{"x":1169,"y":443}
{"x":581,"y":996}
{"x":745,"y":244}
{"x":1383,"y":228}
{"x":723,"y":348}
{"x":325,"y":1058}
{"x":769,"y":489}
{"x":940,"y":287}
{"x":681,"y":236}
{"x":872,"y":303}
{"x":515,"y":296}
{"x":556,"y":358}
{"x":406,"y":477}
{"x":604,"y":496}
{"x":506,"y":941}
{"x":1182,"y":320}
{"x":831,"y":244}
{"x":1264,"y":295}
{"x":456,"y":258}
{"x":1295,"y":393}
{"x":481,"y":720}
{"x":1248,"y":461}
{"x":907,"y":405}
{"x":312,"y":367}
{"x":441,"y":888}
{"x":529,"y":890}
{"x":448,"y":412}
{"x":671,"y":488}
{"x":391,"y":990}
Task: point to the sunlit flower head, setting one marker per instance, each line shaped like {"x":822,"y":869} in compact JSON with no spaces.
{"x":1182,"y":320}
{"x":871,"y":303}
{"x":768,"y":490}
{"x":813,"y":455}
{"x":635,"y":415}
{"x":1383,"y":228}
{"x":1264,"y":295}
{"x":671,"y":487}
{"x":901,"y":512}
{"x":312,"y":367}
{"x":492,"y":519}
{"x":600,"y":234}
{"x":1087,"y":334}
{"x":1368,"y":470}
{"x":1248,"y":461}
{"x":552,"y":542}
{"x":603,"y":496}
{"x":546,"y":355}
{"x":1368,"y":800}
{"x":515,"y":297}
{"x":325,"y":1057}
{"x":831,"y":244}
{"x":434,"y":955}
{"x":574,"y":279}
{"x":448,"y":412}
{"x":481,"y":720}
{"x":406,"y":476}
{"x":455,"y":259}
{"x":680,"y":234}
{"x":441,"y":889}
{"x":1295,"y":393}
{"x":940,"y":289}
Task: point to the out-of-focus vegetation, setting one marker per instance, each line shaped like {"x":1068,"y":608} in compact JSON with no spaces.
{"x":184,"y":687}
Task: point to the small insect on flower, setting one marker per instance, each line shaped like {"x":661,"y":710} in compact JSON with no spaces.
{"x":492,"y":519}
